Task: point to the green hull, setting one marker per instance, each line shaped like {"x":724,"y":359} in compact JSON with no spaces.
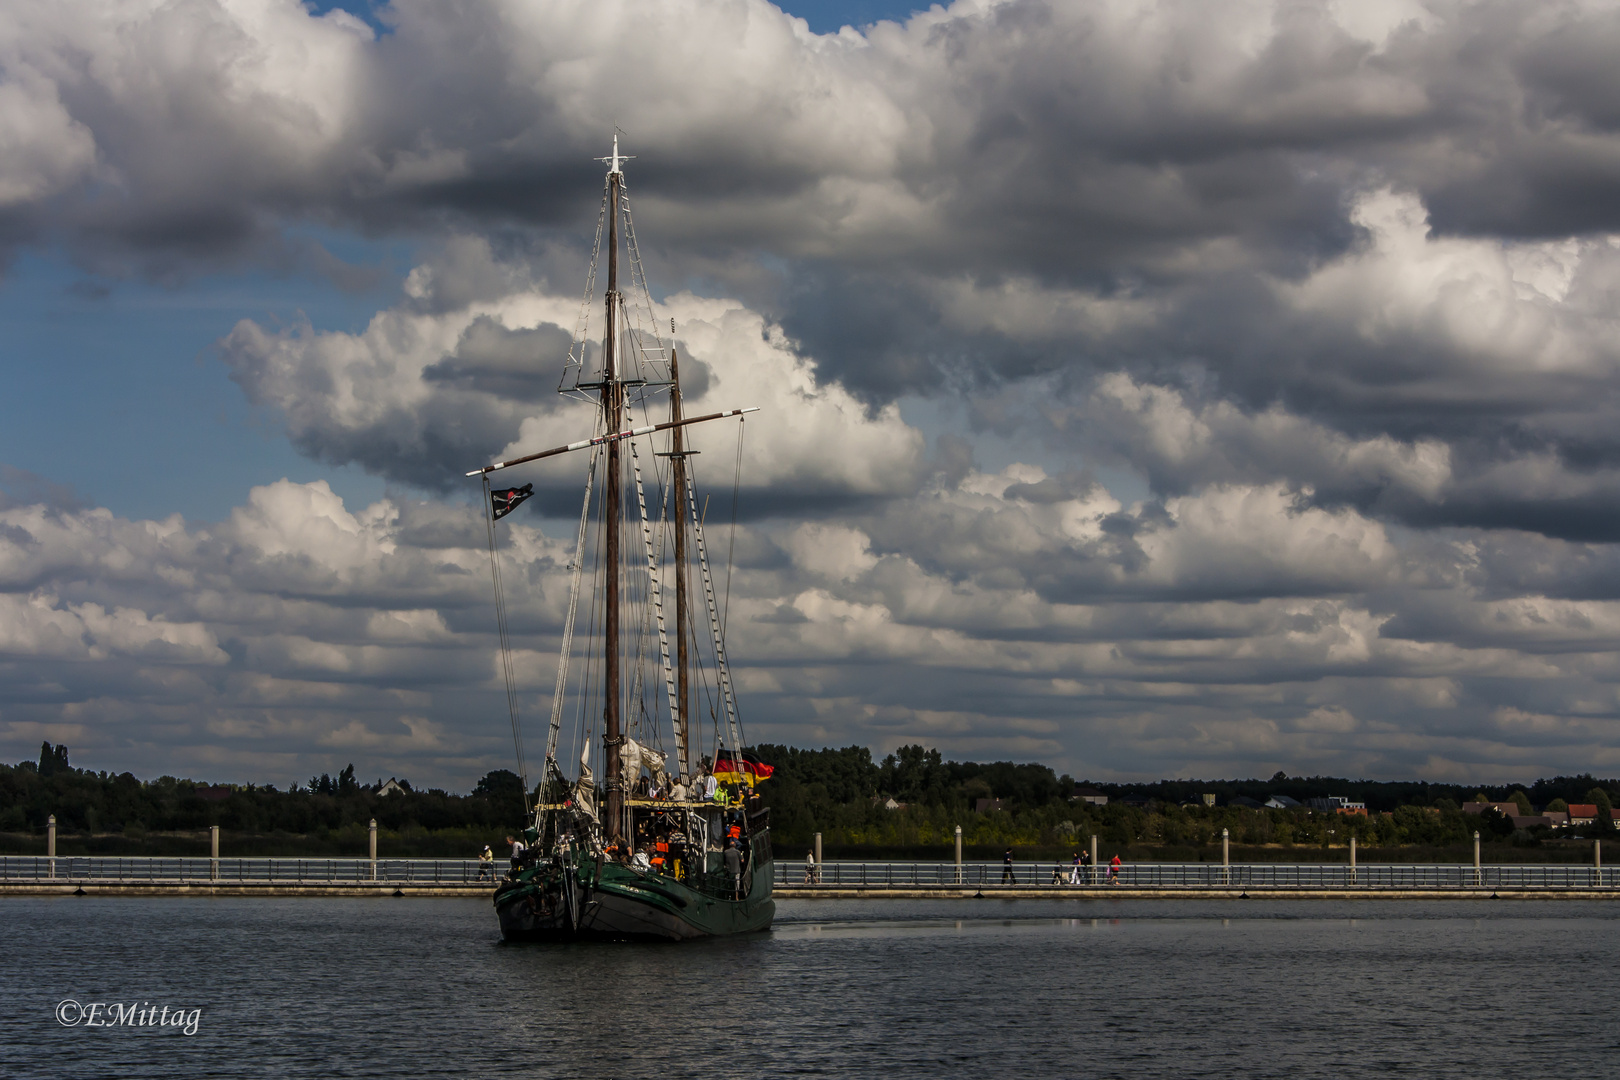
{"x":618,"y":903}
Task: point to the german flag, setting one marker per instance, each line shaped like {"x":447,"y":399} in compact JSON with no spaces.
{"x":733,"y":768}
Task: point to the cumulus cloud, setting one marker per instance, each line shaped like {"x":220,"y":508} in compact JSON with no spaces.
{"x":427,"y":392}
{"x":1336,"y":282}
{"x":1010,"y":606}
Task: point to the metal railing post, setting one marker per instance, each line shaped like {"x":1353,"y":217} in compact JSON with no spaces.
{"x":959,"y":854}
{"x":1479,"y":878}
{"x":1092,"y":874}
{"x":213,"y":852}
{"x":374,"y":849}
{"x":50,"y":846}
{"x":1226,"y":857}
{"x":1352,"y":860}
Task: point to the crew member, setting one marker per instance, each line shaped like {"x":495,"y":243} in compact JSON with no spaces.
{"x":733,"y":859}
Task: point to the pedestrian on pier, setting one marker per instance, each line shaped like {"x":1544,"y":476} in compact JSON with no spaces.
{"x":810,"y":875}
{"x":1007,"y":870}
{"x":1074,"y":874}
{"x":486,"y":864}
{"x":1113,"y":870}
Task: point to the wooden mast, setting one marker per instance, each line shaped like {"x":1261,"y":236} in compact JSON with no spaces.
{"x":677,"y":460}
{"x":612,"y":499}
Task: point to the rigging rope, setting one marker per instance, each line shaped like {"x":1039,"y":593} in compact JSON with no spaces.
{"x":506,"y":647}
{"x":722,"y":673}
{"x":576,"y":568}
{"x":655,"y":591}
{"x":731,"y":548}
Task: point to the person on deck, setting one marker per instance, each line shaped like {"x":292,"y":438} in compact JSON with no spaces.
{"x":1114,"y":865}
{"x":1007,"y":870}
{"x":486,"y":864}
{"x":810,"y":868}
{"x":733,"y":859}
{"x":518,"y":847}
{"x":1074,"y":874}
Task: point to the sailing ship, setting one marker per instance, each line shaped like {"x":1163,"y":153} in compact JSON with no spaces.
{"x":673,"y":843}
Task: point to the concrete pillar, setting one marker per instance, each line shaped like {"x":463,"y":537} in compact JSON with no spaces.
{"x":1352,"y":860}
{"x":373,"y":849}
{"x":1597,"y":861}
{"x":50,"y":844}
{"x":1479,"y":877}
{"x":213,"y":852}
{"x":818,"y":854}
{"x":1093,"y":859}
{"x":1226,"y":857}
{"x":959,"y":854}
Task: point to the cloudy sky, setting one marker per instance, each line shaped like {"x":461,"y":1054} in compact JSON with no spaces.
{"x":1150,"y":388}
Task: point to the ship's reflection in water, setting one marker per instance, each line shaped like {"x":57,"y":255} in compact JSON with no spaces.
{"x":422,"y":988}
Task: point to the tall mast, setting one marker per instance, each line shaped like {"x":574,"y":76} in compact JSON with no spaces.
{"x":612,"y":497}
{"x":677,"y":460}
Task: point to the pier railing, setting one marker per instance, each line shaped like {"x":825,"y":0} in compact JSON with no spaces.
{"x":202,"y":870}
{"x":838,"y":874}
{"x":1147,"y":875}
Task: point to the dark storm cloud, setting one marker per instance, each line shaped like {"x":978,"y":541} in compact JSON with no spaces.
{"x":505,"y":363}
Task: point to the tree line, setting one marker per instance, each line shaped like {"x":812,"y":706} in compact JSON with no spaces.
{"x":843,"y":793}
{"x":328,"y":808}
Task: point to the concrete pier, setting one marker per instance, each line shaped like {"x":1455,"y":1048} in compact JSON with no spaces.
{"x":1120,"y":892}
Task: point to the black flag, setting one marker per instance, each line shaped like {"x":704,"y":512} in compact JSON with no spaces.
{"x":509,"y":499}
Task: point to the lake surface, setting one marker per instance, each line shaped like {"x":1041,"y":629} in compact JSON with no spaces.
{"x":1073,"y":988}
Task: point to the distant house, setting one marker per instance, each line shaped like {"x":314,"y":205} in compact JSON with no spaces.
{"x":1246,"y":802}
{"x":1531,"y":821}
{"x":1558,"y":818}
{"x":1582,"y":813}
{"x":984,"y":806}
{"x":1338,"y":804}
{"x":1090,"y":795}
{"x":393,"y":787}
{"x":890,"y":804}
{"x":1281,"y":802}
{"x":1508,"y":808}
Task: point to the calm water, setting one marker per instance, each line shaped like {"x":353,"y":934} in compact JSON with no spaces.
{"x":422,"y":988}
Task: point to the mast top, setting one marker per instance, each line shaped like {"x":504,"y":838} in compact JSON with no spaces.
{"x":614,"y":161}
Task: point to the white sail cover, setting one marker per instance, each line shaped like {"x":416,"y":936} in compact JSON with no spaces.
{"x":635,"y":757}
